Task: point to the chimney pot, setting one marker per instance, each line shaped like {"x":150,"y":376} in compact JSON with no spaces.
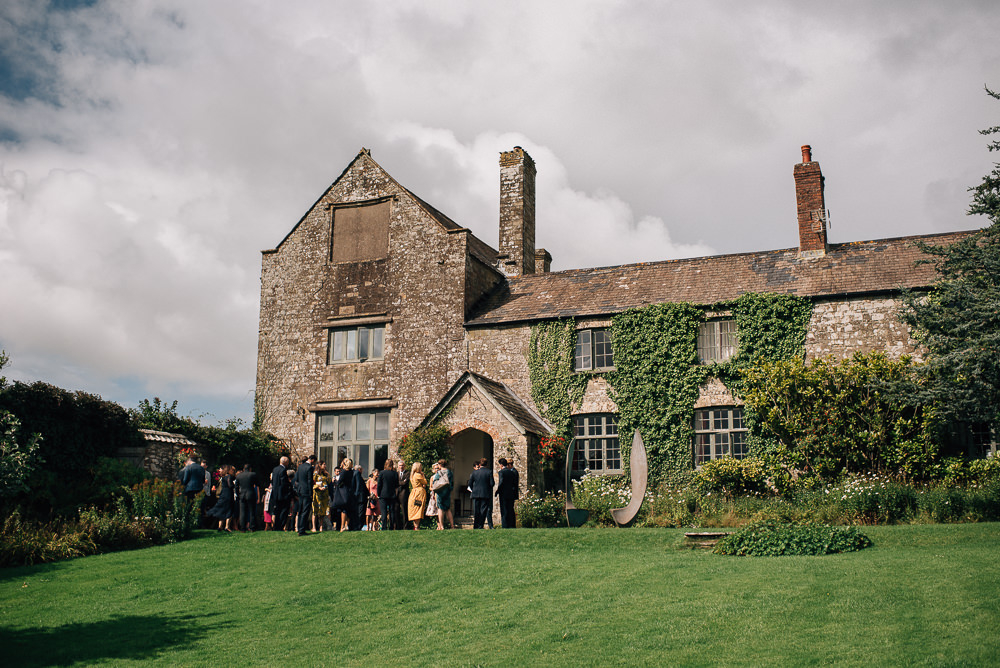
{"x":807,"y":153}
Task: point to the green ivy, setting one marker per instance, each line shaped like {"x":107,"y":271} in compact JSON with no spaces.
{"x":555,"y":387}
{"x":657,"y":375}
{"x":655,"y":382}
{"x":771,"y":328}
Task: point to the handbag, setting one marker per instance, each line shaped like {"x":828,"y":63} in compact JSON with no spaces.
{"x":440,"y":483}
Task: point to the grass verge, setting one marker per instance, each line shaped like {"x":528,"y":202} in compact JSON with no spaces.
{"x":923,"y":595}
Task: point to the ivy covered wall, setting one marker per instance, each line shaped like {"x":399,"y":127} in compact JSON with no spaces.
{"x":657,"y":374}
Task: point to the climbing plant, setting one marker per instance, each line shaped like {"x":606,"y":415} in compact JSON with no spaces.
{"x":555,"y":387}
{"x":657,"y":374}
{"x":771,"y":328}
{"x":655,"y":382}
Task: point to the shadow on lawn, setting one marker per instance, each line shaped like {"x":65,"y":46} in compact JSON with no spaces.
{"x":131,"y":637}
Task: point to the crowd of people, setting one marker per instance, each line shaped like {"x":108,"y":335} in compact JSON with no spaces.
{"x":310,"y":499}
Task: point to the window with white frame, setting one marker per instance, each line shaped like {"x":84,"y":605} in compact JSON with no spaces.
{"x":593,"y":350}
{"x":361,"y":436}
{"x":356,"y":344}
{"x":717,"y":340}
{"x":719,"y":431}
{"x":597,"y":447}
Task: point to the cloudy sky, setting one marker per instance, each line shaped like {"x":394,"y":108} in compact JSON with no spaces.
{"x":150,"y":150}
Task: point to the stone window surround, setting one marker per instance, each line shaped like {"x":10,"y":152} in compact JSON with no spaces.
{"x":348,"y":322}
{"x":331,"y":208}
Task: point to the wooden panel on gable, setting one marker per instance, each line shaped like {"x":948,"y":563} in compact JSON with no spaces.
{"x":360,"y":231}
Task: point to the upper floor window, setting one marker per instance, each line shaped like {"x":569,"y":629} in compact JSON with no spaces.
{"x":717,"y":340}
{"x":593,"y":350}
{"x":357,"y":344}
{"x":720,"y":431}
{"x":597,"y":448}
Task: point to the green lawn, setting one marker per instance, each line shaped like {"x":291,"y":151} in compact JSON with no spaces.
{"x":924,"y":595}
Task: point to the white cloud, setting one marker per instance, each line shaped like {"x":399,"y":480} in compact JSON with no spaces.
{"x":150,"y":150}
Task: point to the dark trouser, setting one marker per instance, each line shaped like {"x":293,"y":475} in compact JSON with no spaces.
{"x":280,"y":514}
{"x":480,"y":511}
{"x":401,"y":518}
{"x":305,"y":514}
{"x":390,"y":513}
{"x":508,"y":520}
{"x":248,"y":512}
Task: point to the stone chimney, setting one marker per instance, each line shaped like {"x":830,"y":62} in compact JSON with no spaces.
{"x":517,"y":213}
{"x":543,"y":261}
{"x":811,"y":206}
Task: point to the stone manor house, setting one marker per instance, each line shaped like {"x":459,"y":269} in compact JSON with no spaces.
{"x":380,"y":313}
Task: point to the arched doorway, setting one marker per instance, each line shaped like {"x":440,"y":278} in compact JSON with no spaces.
{"x":467,"y":447}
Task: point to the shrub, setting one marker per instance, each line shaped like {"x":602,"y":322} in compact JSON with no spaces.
{"x":771,"y":539}
{"x":425,"y":445}
{"x":150,"y":513}
{"x":534,"y":511}
{"x":24,"y":543}
{"x":874,"y":500}
{"x":732,"y":477}
{"x":599,"y":494}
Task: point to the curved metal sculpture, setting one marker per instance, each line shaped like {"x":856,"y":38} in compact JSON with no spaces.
{"x":575,"y":517}
{"x":639,"y":472}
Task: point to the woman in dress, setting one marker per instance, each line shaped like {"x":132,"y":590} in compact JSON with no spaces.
{"x":416,"y":503}
{"x":445,"y":483}
{"x":320,"y":497}
{"x":224,"y":509}
{"x":342,"y":498}
{"x":371,"y":510}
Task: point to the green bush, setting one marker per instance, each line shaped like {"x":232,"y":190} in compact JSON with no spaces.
{"x":771,"y":539}
{"x":153,"y":512}
{"x":874,"y":500}
{"x":534,"y":511}
{"x":733,"y":477}
{"x":425,"y":445}
{"x":599,"y":494}
{"x":24,"y":542}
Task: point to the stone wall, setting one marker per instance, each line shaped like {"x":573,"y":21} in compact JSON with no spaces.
{"x":419,"y":290}
{"x":841,"y":327}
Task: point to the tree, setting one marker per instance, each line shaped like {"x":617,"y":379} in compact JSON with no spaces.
{"x":959,"y":319}
{"x":18,"y":460}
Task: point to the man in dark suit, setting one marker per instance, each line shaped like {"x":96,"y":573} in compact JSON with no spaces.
{"x":247,"y":493}
{"x":193,"y":478}
{"x":481,"y":484}
{"x":303,"y":489}
{"x":508,"y":485}
{"x":388,"y":487}
{"x":281,"y":494}
{"x":402,"y":494}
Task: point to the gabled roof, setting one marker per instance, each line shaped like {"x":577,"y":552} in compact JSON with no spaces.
{"x":501,"y":397}
{"x":443,"y":220}
{"x":852,"y":268}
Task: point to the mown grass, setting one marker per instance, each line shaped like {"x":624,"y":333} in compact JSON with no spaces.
{"x":924,"y":595}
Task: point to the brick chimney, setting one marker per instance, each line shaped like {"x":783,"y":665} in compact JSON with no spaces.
{"x":811,"y":206}
{"x":517,"y":213}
